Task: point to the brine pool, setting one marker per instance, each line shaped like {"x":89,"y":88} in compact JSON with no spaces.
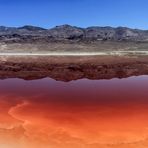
{"x":79,"y":114}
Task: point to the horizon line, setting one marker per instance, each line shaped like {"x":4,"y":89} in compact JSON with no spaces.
{"x":103,"y":26}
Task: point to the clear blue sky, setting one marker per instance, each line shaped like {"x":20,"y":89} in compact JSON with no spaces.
{"x":83,"y":13}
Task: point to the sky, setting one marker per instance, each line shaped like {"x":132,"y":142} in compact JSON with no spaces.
{"x":82,"y":13}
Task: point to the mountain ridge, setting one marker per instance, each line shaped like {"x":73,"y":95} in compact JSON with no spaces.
{"x":72,"y":33}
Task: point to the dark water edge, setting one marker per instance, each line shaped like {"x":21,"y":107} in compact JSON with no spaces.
{"x":74,"y":72}
{"x":69,"y":68}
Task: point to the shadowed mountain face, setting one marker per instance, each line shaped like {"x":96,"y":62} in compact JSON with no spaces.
{"x":67,"y":32}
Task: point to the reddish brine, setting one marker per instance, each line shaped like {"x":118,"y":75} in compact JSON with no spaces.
{"x":79,"y":114}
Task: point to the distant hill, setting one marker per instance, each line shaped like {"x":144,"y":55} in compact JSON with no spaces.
{"x":71,"y":33}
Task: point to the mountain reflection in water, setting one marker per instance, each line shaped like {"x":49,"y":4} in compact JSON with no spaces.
{"x":78,"y":114}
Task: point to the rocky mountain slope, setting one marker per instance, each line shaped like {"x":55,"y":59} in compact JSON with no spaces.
{"x":71,"y":33}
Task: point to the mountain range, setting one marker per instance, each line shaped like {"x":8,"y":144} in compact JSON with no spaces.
{"x":71,"y":33}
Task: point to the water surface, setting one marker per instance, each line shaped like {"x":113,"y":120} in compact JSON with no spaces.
{"x":79,"y":114}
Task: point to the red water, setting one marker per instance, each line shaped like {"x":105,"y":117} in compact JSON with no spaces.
{"x":79,"y":114}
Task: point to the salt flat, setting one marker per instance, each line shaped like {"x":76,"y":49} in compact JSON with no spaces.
{"x":118,"y":53}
